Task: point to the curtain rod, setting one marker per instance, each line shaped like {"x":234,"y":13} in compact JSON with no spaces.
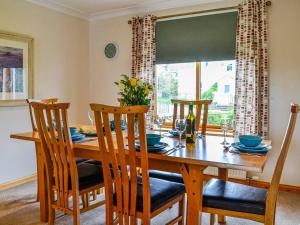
{"x":268,"y":3}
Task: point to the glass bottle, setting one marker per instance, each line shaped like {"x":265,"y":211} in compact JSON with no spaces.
{"x":190,"y":126}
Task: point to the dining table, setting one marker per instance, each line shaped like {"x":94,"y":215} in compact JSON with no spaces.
{"x":190,"y":161}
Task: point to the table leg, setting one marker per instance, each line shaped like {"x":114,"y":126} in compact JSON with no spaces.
{"x":42,"y":185}
{"x":223,"y":175}
{"x":193,"y":179}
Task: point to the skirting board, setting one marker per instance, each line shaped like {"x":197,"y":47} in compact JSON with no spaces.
{"x":254,"y":183}
{"x":17,"y":182}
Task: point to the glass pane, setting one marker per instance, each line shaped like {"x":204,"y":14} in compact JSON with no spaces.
{"x":174,"y":81}
{"x":218,"y":84}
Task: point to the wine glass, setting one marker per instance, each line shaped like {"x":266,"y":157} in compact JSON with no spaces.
{"x":91,"y":117}
{"x":148,"y":118}
{"x":225,"y":125}
{"x":160,"y":120}
{"x":180,"y":126}
{"x":235,"y":133}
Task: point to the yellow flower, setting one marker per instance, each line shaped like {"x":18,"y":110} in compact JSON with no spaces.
{"x":133,"y":82}
{"x":146,"y":91}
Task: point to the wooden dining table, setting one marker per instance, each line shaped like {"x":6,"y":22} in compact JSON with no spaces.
{"x":189,"y":161}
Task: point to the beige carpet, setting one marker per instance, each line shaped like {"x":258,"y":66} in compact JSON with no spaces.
{"x":18,"y":207}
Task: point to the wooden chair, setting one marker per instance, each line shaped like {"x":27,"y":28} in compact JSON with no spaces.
{"x":175,"y":177}
{"x":65,"y":178}
{"x":237,"y":200}
{"x":200,"y":104}
{"x":130,"y":195}
{"x":85,"y":199}
{"x":33,"y":125}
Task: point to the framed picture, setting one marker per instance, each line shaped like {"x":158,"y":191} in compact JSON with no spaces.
{"x":16,"y":68}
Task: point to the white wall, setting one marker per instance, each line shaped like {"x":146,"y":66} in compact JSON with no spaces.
{"x":60,"y":70}
{"x":284,"y":70}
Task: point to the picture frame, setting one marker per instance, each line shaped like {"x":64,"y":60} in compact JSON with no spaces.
{"x":16,"y":68}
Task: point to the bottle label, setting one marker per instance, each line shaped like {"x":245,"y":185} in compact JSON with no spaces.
{"x":190,"y":130}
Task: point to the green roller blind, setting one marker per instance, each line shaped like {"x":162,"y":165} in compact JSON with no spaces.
{"x":200,"y":38}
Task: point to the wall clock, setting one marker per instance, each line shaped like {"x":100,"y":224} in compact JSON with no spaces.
{"x":111,"y":50}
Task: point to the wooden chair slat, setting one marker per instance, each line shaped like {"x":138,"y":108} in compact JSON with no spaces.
{"x":181,"y":111}
{"x":59,"y":146}
{"x":108,"y":181}
{"x":204,"y":121}
{"x":144,"y":164}
{"x":198,"y":115}
{"x":123,"y":166}
{"x":132,"y":164}
{"x":65,"y":159}
{"x":174,"y":115}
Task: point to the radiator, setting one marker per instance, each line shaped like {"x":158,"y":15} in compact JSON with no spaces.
{"x":238,"y":174}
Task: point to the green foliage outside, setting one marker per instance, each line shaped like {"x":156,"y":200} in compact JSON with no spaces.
{"x":209,"y":94}
{"x":215,"y":116}
{"x":168,"y":89}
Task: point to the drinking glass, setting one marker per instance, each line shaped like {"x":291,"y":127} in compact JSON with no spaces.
{"x":235,"y":133}
{"x":91,"y":117}
{"x":148,"y":118}
{"x":160,"y":120}
{"x":225,"y":125}
{"x":180,"y":126}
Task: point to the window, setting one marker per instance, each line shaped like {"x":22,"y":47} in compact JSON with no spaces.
{"x":195,"y":60}
{"x":179,"y":81}
{"x":226,"y":88}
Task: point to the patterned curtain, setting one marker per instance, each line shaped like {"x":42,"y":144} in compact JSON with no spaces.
{"x":144,"y":52}
{"x":252,"y":77}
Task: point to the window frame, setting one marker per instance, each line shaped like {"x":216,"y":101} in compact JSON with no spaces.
{"x":210,"y":127}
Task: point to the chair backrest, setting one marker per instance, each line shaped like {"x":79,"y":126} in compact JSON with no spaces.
{"x":51,"y":121}
{"x":121,"y":162}
{"x":46,"y":101}
{"x":273,"y":190}
{"x":199,"y":105}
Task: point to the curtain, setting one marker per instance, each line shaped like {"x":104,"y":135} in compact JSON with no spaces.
{"x":144,"y":52}
{"x":252,"y":76}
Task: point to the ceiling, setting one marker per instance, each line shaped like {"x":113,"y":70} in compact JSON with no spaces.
{"x":100,"y":9}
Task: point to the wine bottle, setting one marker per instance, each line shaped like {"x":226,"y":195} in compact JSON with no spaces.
{"x":190,"y":126}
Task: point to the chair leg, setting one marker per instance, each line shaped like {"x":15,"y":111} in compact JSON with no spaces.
{"x":212,"y":219}
{"x":145,"y":221}
{"x":76,"y":219}
{"x":76,"y":208}
{"x":181,"y":208}
{"x":37,"y":191}
{"x":51,"y":218}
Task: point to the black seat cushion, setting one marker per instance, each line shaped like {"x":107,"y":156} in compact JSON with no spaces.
{"x":89,"y":175}
{"x":161,"y":191}
{"x":80,"y":160}
{"x":174,"y":177}
{"x":94,"y":162}
{"x":235,"y":197}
